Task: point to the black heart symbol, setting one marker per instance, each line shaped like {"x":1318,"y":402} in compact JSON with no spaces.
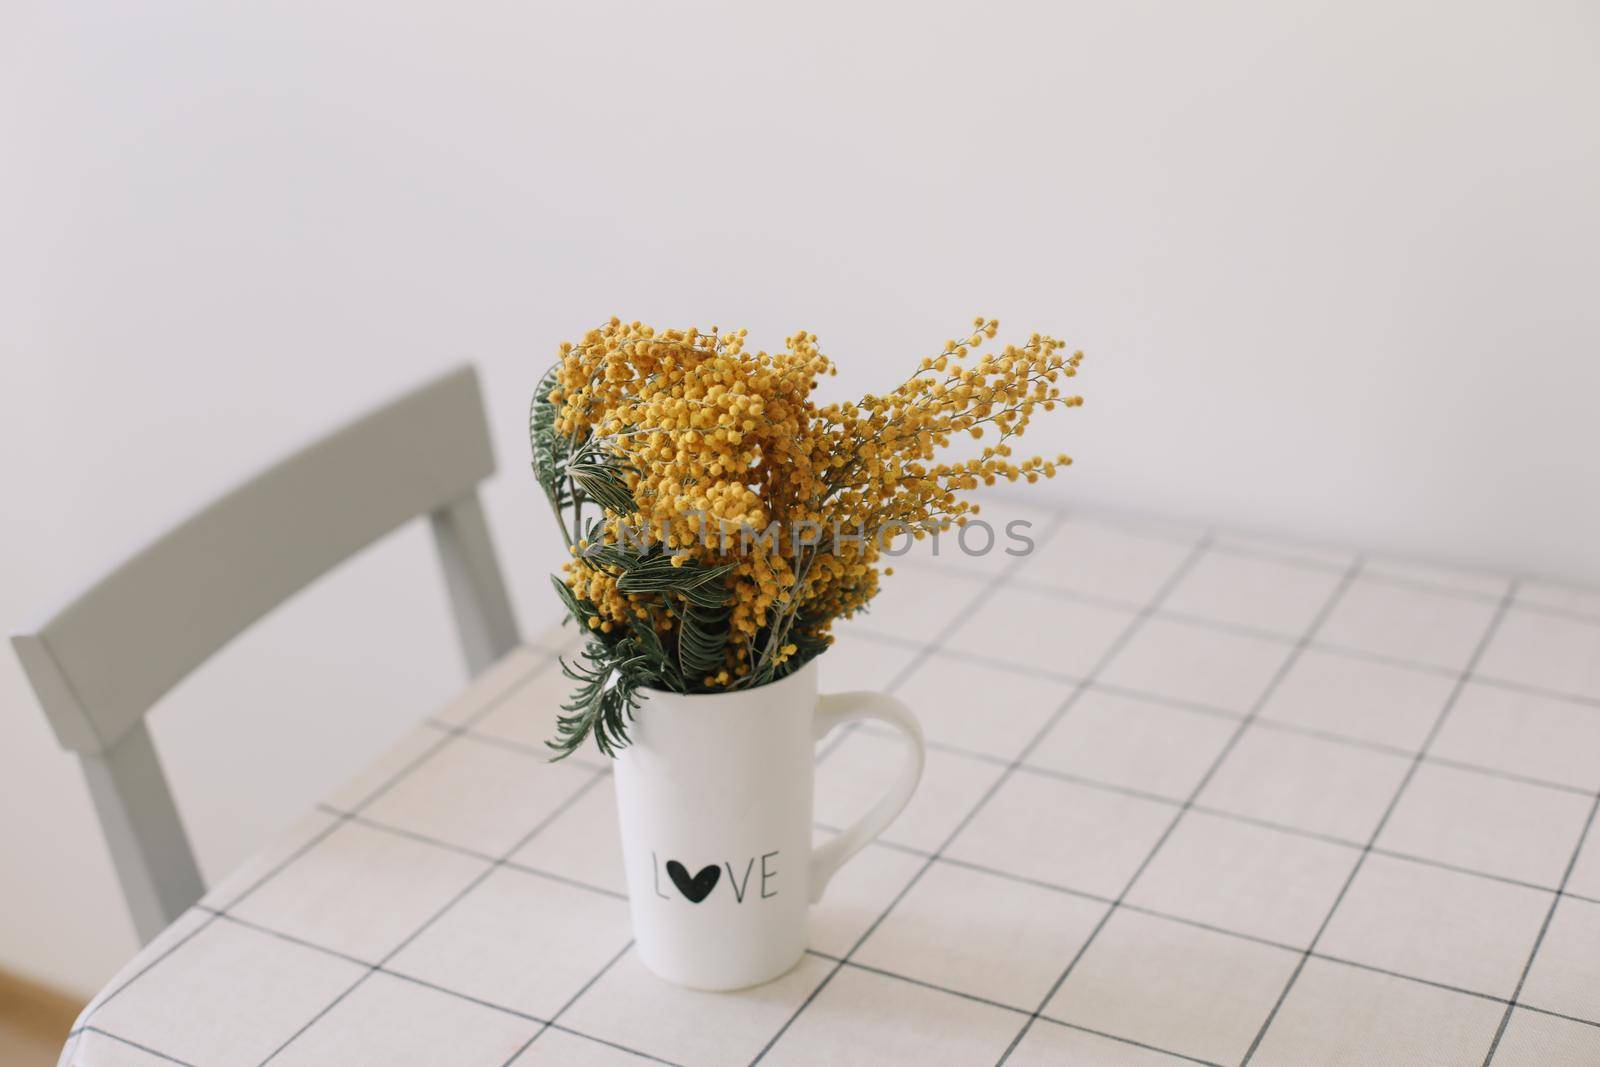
{"x":697,"y":888}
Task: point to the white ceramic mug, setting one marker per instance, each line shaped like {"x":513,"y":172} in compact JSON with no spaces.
{"x":714,"y":801}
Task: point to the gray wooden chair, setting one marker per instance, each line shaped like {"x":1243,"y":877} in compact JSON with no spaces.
{"x":99,"y":663}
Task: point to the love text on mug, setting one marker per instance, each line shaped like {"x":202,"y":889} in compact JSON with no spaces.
{"x":697,"y":886}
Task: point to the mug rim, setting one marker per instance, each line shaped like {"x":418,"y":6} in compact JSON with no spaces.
{"x":726,"y":694}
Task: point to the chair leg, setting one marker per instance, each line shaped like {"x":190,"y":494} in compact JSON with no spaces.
{"x":478,"y":598}
{"x":148,"y":845}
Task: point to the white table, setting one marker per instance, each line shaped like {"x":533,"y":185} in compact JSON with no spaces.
{"x":1192,"y":796}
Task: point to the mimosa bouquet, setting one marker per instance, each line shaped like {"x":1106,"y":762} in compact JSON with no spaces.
{"x":719,"y":520}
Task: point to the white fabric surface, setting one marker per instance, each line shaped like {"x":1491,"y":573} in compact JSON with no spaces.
{"x":1192,"y":797}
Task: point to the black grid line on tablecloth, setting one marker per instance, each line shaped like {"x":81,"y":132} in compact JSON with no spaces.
{"x":945,"y":860}
{"x":553,"y":1022}
{"x":1544,"y":928}
{"x":471,"y":853}
{"x":1369,"y":575}
{"x":1047,"y":1017}
{"x":926,"y":650}
{"x":1394,"y":802}
{"x":1234,"y":716}
{"x":542,"y":663}
{"x":577,"y":794}
{"x":570,"y":1002}
{"x":465,"y":728}
{"x":1504,"y":602}
{"x":146,"y":1049}
{"x":1105,"y":659}
{"x":1012,"y":1008}
{"x":935,"y":986}
{"x":1221,"y":546}
{"x":1374,"y":572}
{"x":926,"y":653}
{"x":1281,"y":637}
{"x":1251,"y":820}
{"x":1244,"y":724}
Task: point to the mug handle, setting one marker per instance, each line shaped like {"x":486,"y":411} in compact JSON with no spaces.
{"x":836,"y":709}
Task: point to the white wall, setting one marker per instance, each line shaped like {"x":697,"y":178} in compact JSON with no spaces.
{"x":1335,"y":268}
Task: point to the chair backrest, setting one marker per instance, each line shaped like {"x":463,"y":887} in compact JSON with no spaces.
{"x":100,"y":662}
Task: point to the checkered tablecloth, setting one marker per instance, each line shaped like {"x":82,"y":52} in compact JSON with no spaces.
{"x":1190,"y":797}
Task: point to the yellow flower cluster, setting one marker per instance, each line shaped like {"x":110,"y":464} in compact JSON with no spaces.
{"x":730,"y":461}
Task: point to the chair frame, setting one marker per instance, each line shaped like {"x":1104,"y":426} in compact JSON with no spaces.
{"x":102,"y":661}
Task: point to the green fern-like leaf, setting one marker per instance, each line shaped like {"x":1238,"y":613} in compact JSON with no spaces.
{"x":602,"y":705}
{"x":656,"y":665}
{"x":546,"y":443}
{"x":702,"y":638}
{"x":580,"y":610}
{"x":700,"y":585}
{"x":601,"y":479}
